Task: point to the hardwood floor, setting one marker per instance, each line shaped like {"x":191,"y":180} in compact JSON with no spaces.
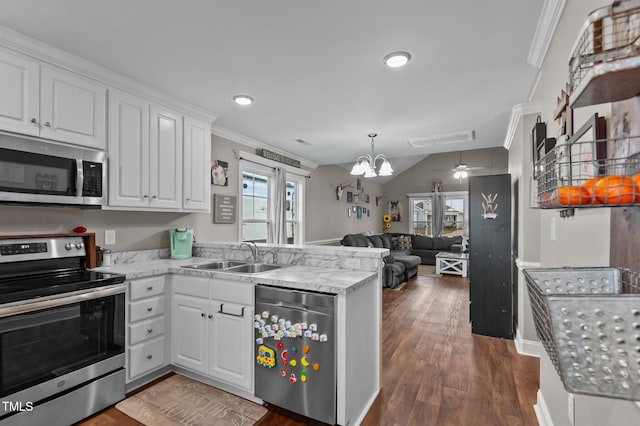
{"x":435,"y":372}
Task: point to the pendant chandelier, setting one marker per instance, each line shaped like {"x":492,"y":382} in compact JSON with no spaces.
{"x":366,"y":164}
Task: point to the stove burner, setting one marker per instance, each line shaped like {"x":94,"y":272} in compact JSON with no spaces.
{"x":33,"y":286}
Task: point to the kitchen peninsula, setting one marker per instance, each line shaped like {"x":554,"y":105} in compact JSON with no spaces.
{"x":168,"y":306}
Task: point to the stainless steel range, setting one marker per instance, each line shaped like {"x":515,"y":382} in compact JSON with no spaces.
{"x":61,"y":333}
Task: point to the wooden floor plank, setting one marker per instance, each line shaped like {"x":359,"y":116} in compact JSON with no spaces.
{"x":435,"y":372}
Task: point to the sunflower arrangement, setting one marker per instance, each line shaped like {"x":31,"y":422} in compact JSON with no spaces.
{"x":386,"y":223}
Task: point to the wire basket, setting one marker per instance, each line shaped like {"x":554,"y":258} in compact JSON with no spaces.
{"x":588,"y":320}
{"x":571,"y":175}
{"x":605,"y":60}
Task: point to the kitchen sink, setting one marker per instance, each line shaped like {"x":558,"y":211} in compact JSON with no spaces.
{"x":217,"y":265}
{"x":253,"y":268}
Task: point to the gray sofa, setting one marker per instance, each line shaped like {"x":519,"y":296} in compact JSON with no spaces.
{"x":428,"y":247}
{"x":399,"y":266}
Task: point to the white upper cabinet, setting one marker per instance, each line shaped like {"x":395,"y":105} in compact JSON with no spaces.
{"x":50,"y":103}
{"x":145,"y":154}
{"x":165,"y":158}
{"x":197,"y":165}
{"x":20,"y":95}
{"x":128,"y":150}
{"x":72,"y":108}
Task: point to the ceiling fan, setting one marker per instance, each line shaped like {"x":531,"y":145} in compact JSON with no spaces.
{"x":461,"y":170}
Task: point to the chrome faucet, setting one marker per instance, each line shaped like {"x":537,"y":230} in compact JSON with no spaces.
{"x":253,"y":247}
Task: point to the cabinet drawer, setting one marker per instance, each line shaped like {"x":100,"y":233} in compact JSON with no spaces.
{"x":145,"y":287}
{"x":232,"y":291}
{"x":145,"y":357}
{"x":146,"y":308}
{"x":146,"y":330}
{"x":190,"y":286}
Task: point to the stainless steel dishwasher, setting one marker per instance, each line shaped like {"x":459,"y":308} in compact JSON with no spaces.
{"x":295,"y":351}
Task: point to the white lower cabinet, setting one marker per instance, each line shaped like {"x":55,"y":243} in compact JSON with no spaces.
{"x":146,"y":326}
{"x":212,"y":326}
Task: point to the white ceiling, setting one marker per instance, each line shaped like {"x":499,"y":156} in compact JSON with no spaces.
{"x":314,"y":67}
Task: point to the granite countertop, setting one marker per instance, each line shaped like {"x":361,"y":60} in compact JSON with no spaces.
{"x":336,"y":281}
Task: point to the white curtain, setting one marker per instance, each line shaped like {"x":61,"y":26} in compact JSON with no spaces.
{"x":438,"y":213}
{"x":279,"y":228}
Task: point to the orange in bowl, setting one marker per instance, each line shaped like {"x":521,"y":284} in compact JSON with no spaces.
{"x":616,"y":190}
{"x":574,"y":196}
{"x":636,"y":180}
{"x":590,"y":186}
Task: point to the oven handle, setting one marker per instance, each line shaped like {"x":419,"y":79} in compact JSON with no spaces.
{"x":52,"y":302}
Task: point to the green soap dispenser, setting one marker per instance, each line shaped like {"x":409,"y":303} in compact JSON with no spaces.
{"x":181,"y":242}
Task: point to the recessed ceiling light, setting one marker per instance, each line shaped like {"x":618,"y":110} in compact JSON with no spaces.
{"x":397,"y":59}
{"x":243,"y":100}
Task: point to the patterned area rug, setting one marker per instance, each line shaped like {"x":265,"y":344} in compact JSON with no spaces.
{"x":178,"y":400}
{"x":428,"y":271}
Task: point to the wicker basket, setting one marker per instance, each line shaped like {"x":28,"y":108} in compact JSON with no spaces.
{"x":588,"y":320}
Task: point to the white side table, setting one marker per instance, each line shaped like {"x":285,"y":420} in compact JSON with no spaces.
{"x":452,"y":263}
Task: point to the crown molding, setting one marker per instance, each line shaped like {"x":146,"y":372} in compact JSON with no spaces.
{"x":254,"y":143}
{"x":516,"y":114}
{"x":51,"y":55}
{"x":547,"y":23}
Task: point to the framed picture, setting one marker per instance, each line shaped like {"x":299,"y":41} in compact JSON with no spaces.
{"x":364,"y":210}
{"x":394,"y":209}
{"x":588,"y":150}
{"x":356,"y":198}
{"x":366,"y":198}
{"x":349,"y":197}
{"x":219,"y":173}
{"x":349,"y":211}
{"x":359,"y":212}
{"x":358,"y":184}
{"x":538,"y":135}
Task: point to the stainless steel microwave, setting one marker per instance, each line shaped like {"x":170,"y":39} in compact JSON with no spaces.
{"x":37,"y":171}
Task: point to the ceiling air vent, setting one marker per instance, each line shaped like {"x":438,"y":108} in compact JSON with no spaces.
{"x":457,"y":137}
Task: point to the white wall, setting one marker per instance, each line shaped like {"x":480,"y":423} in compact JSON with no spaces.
{"x":437,"y":167}
{"x":582,"y":240}
{"x":326,"y":216}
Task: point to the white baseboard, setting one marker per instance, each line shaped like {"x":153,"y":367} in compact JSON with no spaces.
{"x":527,"y":347}
{"x":542,"y":413}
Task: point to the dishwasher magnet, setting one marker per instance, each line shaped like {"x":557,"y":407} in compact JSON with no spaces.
{"x":266,"y":356}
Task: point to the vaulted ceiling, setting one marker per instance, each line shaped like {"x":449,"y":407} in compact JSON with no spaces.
{"x":314,"y":68}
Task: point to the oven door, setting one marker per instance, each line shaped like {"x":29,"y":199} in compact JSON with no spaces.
{"x":47,"y":351}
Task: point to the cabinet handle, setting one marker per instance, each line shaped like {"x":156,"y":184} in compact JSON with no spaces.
{"x":145,"y":196}
{"x":203,"y":315}
{"x":150,"y":288}
{"x":149,"y":309}
{"x":210,"y":316}
{"x":34,"y":121}
{"x":149,"y":356}
{"x":221,"y":311}
{"x":149,"y":330}
{"x":154,"y":197}
{"x":47,"y":124}
{"x":187,"y":199}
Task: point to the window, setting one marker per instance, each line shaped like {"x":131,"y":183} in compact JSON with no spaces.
{"x":256,"y":221}
{"x":454,"y":215}
{"x":295,"y":195}
{"x":257,"y":204}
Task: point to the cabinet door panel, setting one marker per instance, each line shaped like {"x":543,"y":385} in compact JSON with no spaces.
{"x":197,"y":165}
{"x":231,"y":346}
{"x":72,"y":108}
{"x":128,"y":150}
{"x":188,"y":332}
{"x":165,"y":158}
{"x":19,"y":85}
